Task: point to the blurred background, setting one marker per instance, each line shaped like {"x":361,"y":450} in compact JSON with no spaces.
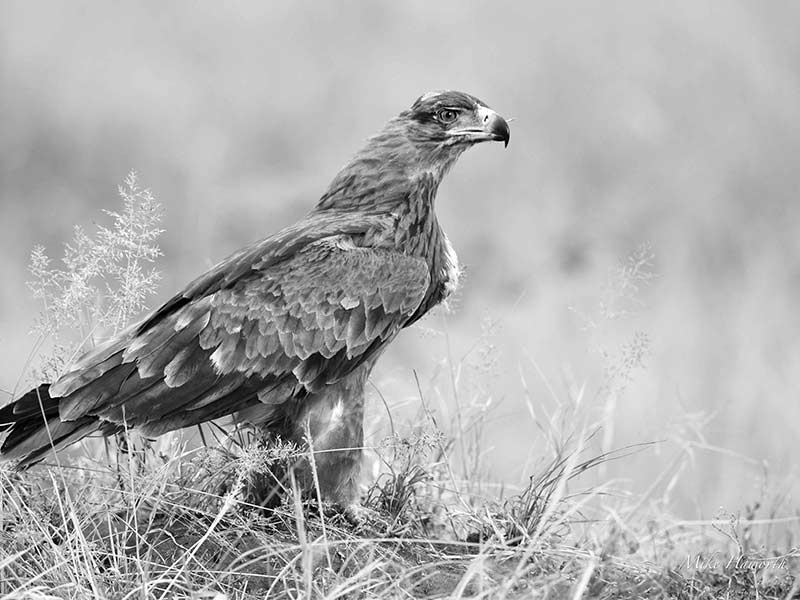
{"x":674,"y":125}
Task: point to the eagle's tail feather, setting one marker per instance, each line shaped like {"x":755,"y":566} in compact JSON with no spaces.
{"x":30,"y":427}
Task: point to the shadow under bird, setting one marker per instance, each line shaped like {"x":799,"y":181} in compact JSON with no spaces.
{"x":283,"y":333}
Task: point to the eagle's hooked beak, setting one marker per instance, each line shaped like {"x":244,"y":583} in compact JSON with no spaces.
{"x":494,"y":125}
{"x":490,"y":127}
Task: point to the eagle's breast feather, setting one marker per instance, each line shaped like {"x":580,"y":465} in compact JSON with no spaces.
{"x":451,"y":270}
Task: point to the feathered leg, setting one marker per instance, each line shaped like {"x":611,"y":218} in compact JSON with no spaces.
{"x":332,"y":425}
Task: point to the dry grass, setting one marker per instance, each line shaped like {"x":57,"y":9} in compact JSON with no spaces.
{"x":165,"y":521}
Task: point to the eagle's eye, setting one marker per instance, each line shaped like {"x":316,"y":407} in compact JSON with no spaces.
{"x":447,"y":115}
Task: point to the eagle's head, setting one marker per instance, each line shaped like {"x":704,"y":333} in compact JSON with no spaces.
{"x":434,"y":132}
{"x":439,"y":126}
{"x":454,"y":119}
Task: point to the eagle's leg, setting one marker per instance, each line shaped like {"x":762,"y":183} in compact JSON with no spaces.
{"x":330,"y":423}
{"x":331,"y":426}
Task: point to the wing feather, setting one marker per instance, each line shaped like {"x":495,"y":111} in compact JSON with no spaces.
{"x":356,"y":325}
{"x":186,"y":364}
{"x":78,"y":378}
{"x":85,"y":400}
{"x":153,"y":359}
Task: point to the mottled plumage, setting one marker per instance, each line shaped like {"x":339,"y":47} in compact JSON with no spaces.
{"x":285,"y":331}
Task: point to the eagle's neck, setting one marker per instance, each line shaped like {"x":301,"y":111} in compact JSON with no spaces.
{"x":388,"y":170}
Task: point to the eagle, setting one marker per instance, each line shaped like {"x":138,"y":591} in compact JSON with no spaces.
{"x":284,"y":333}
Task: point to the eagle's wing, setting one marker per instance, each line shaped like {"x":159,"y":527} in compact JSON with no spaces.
{"x":281,"y":325}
